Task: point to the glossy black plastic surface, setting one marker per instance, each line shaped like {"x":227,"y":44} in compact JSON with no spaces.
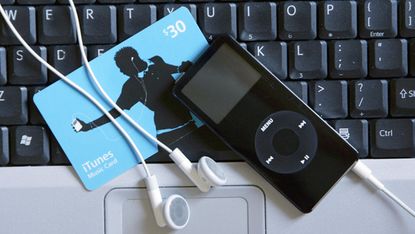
{"x":330,"y":160}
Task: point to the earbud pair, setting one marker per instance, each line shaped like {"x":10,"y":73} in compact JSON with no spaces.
{"x":175,"y":211}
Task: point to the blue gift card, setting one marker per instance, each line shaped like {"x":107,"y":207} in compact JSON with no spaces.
{"x":138,"y":74}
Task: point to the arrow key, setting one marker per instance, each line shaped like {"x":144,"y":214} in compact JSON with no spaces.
{"x":403,"y":97}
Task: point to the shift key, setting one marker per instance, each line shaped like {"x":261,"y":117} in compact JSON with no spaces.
{"x":393,"y":138}
{"x":403,"y":97}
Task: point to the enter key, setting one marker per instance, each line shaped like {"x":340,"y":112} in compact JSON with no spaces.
{"x":392,"y":138}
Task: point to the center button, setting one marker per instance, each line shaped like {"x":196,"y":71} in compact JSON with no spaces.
{"x":285,"y":142}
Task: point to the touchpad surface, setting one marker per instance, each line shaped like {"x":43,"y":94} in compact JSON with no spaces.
{"x":229,"y":209}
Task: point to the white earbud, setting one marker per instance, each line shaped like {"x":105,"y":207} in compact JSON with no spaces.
{"x":205,"y":175}
{"x":174,"y":212}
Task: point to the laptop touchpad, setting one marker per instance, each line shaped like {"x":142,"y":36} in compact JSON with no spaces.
{"x":229,"y":209}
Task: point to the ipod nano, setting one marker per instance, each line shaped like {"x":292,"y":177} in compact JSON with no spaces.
{"x":258,"y":117}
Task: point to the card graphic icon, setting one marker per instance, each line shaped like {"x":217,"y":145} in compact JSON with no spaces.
{"x":76,"y":125}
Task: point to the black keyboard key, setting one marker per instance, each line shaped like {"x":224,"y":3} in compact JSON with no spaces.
{"x":297,"y":20}
{"x":3,"y":66}
{"x":356,"y":132}
{"x":65,"y":59}
{"x":34,"y":2}
{"x":169,"y":8}
{"x":134,"y":18}
{"x":407,"y":18}
{"x":6,"y":2}
{"x":392,"y":138}
{"x":51,"y":20}
{"x":29,"y":146}
{"x":58,"y":157}
{"x":97,"y":50}
{"x":4,"y":146}
{"x":24,"y":20}
{"x":388,"y":58}
{"x":24,"y":69}
{"x":308,"y":60}
{"x":156,"y":1}
{"x":99,"y":24}
{"x":34,"y":114}
{"x":217,"y":19}
{"x":348,"y":59}
{"x":115,"y":1}
{"x":299,"y":88}
{"x":369,"y":99}
{"x":13,"y":105}
{"x":257,"y":21}
{"x":412,"y":57}
{"x":273,"y":55}
{"x":403,"y":97}
{"x":329,"y":98}
{"x":195,"y":1}
{"x":378,"y":19}
{"x":338,"y":19}
{"x":76,"y":1}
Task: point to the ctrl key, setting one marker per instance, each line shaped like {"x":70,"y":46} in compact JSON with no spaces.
{"x":393,"y":138}
{"x":4,"y":146}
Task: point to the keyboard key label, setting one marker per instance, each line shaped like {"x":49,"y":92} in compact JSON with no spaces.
{"x":407,"y":93}
{"x":138,"y":74}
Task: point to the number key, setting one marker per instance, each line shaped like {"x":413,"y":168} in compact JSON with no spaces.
{"x":298,"y":20}
{"x":308,"y":60}
{"x":217,"y":18}
{"x":272,"y":54}
{"x":257,"y":21}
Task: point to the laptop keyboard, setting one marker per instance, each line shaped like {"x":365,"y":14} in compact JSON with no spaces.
{"x":350,"y":61}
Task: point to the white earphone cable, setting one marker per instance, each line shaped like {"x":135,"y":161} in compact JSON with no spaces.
{"x":78,"y":88}
{"x":360,"y":169}
{"x":102,"y":91}
{"x":365,"y":173}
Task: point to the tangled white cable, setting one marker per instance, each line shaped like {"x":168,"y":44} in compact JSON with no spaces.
{"x":174,"y":212}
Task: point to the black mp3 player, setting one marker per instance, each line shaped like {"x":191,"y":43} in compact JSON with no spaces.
{"x":258,"y":117}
